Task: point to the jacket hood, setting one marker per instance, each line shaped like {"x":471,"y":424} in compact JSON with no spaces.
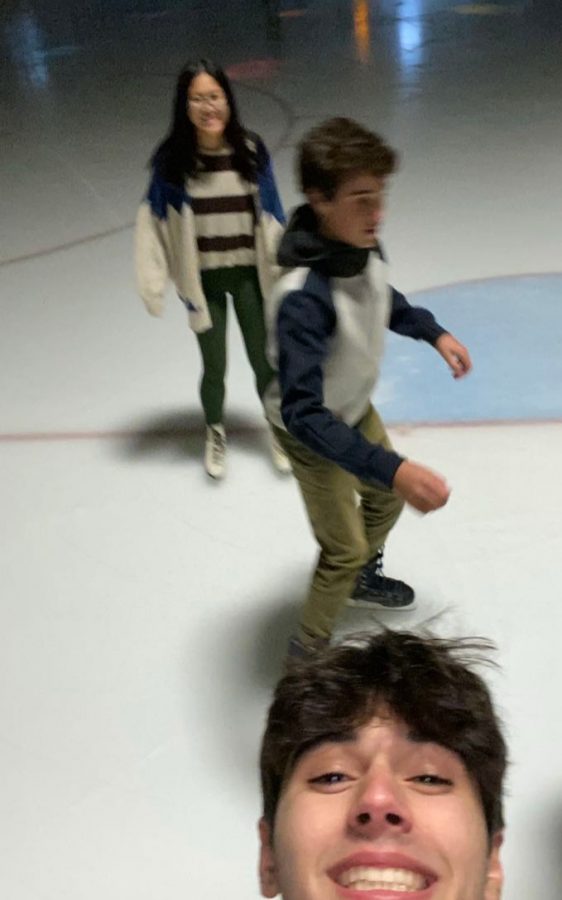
{"x":303,"y":245}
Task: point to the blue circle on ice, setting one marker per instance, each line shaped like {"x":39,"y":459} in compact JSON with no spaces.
{"x":512,"y":328}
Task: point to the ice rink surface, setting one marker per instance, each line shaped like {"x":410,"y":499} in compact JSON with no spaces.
{"x":144,"y":609}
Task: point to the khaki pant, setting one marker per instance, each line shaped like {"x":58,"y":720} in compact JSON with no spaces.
{"x":349,"y":532}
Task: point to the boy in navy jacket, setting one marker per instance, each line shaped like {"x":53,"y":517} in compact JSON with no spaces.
{"x":327,"y":319}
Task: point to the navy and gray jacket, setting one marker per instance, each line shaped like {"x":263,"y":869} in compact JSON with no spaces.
{"x":326,"y":324}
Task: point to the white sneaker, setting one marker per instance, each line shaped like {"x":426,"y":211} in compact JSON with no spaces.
{"x":279,"y":457}
{"x":215,"y":451}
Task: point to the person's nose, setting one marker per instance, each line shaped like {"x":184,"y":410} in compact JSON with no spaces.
{"x":377,"y":215}
{"x":380,"y":807}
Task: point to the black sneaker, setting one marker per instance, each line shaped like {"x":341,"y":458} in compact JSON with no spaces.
{"x":374,"y":590}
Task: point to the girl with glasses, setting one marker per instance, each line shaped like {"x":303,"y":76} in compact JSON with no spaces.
{"x":211,"y":221}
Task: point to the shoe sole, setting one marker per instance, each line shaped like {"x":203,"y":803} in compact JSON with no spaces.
{"x":296,"y":650}
{"x":359,"y":603}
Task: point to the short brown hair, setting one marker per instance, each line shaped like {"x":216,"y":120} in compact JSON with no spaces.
{"x":427,"y":683}
{"x":338,"y":148}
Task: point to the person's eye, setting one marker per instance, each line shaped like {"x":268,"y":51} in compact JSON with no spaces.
{"x":431,"y":781}
{"x":329,"y":778}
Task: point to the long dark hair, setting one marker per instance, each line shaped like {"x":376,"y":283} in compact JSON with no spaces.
{"x":176,"y":157}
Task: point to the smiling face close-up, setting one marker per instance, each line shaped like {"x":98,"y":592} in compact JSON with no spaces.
{"x":378,"y":816}
{"x":208,"y":109}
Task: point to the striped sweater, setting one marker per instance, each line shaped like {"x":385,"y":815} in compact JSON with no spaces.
{"x":223,"y":206}
{"x":172,"y":237}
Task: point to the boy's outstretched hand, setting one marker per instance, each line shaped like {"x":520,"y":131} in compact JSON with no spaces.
{"x":455,"y":355}
{"x":420,"y":487}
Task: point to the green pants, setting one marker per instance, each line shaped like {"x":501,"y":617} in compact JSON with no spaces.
{"x":349,"y":532}
{"x":242,"y":283}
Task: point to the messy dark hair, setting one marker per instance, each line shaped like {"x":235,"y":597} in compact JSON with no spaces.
{"x":177,"y":155}
{"x":427,"y":683}
{"x":337,"y":149}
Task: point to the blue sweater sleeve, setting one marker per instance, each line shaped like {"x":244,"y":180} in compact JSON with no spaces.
{"x":269,"y":195}
{"x":304,"y":326}
{"x":162,"y":194}
{"x":413,"y":321}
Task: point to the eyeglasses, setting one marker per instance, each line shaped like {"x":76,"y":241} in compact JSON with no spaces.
{"x":215,"y":101}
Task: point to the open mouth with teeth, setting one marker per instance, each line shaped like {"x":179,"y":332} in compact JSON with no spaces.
{"x":369,"y":878}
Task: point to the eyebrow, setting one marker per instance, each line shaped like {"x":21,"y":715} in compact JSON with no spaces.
{"x":365,"y":194}
{"x":414,"y":738}
{"x":345,"y":737}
